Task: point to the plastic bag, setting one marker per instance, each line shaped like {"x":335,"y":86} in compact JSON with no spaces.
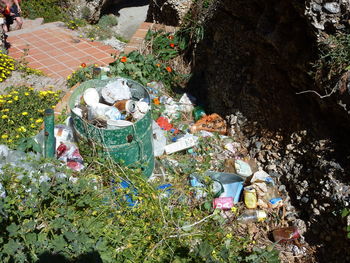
{"x":116,"y":90}
{"x":159,"y":140}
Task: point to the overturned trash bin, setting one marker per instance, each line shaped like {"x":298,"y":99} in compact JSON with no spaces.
{"x":130,"y":145}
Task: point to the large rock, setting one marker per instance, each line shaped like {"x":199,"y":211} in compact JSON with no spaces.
{"x":329,"y":16}
{"x":168,"y":12}
{"x":88,"y":9}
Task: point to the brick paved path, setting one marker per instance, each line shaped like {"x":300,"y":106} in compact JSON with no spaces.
{"x":56,"y":50}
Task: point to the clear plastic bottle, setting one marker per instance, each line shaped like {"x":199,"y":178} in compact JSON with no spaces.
{"x":251,"y":216}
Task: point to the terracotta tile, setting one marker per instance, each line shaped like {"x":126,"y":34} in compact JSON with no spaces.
{"x":63,"y":57}
{"x":107,"y":60}
{"x":41,"y":57}
{"x":30,"y":59}
{"x":129,"y":49}
{"x":34,"y":51}
{"x":65,"y":73}
{"x":33,"y":40}
{"x":57,"y":67}
{"x":71,"y":63}
{"x":17,"y":55}
{"x":145,"y":25}
{"x":54,"y":52}
{"x":35,"y":64}
{"x":45,"y":70}
{"x":60,"y":44}
{"x":83,"y":45}
{"x":100,"y":55}
{"x":140,"y":33}
{"x":48,"y":62}
{"x":53,"y":40}
{"x":41,"y":32}
{"x":69,"y":49}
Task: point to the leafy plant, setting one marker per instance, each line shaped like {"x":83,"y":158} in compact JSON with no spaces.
{"x":334,"y":59}
{"x":144,"y":69}
{"x":50,"y":10}
{"x":80,"y":75}
{"x":21,"y":112}
{"x":108,"y":21}
{"x":48,"y":209}
{"x":75,"y":23}
{"x":165,"y":46}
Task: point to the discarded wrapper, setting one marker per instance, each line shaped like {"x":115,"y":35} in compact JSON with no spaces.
{"x":223,"y":203}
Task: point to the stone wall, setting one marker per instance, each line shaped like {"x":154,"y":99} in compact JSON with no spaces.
{"x":254,"y":57}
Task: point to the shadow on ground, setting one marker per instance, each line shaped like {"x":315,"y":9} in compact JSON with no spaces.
{"x":114,"y":6}
{"x":91,"y":257}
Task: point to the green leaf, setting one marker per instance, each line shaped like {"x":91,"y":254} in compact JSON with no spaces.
{"x":31,"y":238}
{"x":345,"y":212}
{"x":12,"y":229}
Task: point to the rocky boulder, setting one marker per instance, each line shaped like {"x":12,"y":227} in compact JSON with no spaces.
{"x":168,"y":12}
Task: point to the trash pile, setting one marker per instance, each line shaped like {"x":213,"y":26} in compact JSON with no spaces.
{"x":111,"y":107}
{"x":244,"y":192}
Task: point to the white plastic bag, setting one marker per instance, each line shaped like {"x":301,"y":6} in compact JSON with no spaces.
{"x":159,"y":140}
{"x":114,"y":91}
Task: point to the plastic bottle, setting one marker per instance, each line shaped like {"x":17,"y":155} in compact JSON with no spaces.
{"x":251,"y":216}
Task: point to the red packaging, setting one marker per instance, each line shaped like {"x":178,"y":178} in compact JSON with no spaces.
{"x":223,"y":203}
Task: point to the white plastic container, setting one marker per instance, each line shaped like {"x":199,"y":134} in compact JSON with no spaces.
{"x":91,"y":97}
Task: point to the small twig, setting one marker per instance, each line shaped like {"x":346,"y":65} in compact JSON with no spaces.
{"x":321,"y":96}
{"x":198,"y":222}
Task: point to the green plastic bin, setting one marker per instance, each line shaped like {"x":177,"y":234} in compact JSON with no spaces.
{"x":132,"y":145}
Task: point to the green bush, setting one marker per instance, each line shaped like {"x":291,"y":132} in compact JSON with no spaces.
{"x":50,"y":10}
{"x":108,"y":21}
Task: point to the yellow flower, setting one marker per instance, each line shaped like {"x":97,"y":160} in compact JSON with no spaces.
{"x":15,"y":98}
{"x":31,"y":119}
{"x":32,"y":125}
{"x":10,"y":101}
{"x":39,"y":120}
{"x":40,"y":111}
{"x":26,"y":93}
{"x":10,"y":140}
{"x":4,"y":117}
{"x":5,"y":110}
{"x":22,"y":129}
{"x":4,"y":136}
{"x":17,"y":136}
{"x":30,"y":88}
{"x":24,"y":113}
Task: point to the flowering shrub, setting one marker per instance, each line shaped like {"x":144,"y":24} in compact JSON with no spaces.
{"x":49,"y":210}
{"x":75,"y":23}
{"x":83,"y":73}
{"x":22,"y":111}
{"x":165,"y":46}
{"x":7,"y":65}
